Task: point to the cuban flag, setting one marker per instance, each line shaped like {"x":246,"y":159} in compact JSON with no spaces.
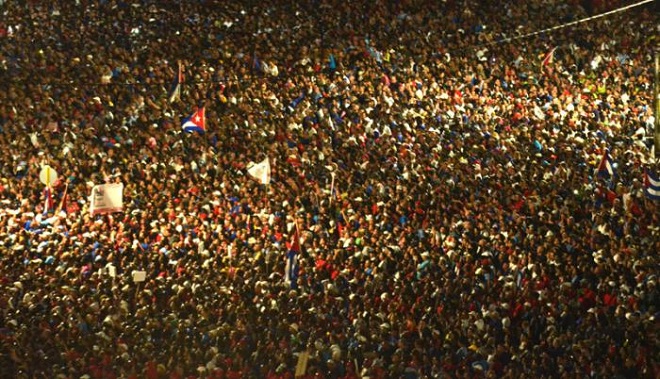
{"x":605,"y":169}
{"x":196,"y":122}
{"x":175,"y":91}
{"x":291,"y":268}
{"x":651,"y":186}
{"x":549,"y":57}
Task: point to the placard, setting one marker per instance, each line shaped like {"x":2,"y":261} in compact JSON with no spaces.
{"x":107,"y":198}
{"x":139,"y":276}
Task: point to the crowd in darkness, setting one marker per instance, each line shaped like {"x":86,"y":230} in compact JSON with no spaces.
{"x":438,"y":173}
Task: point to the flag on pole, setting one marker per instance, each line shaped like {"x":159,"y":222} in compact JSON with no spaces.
{"x":260,"y":171}
{"x":549,"y":57}
{"x":651,"y":185}
{"x":62,"y":206}
{"x":175,"y":91}
{"x":291,"y":268}
{"x":196,"y":122}
{"x":332,"y":187}
{"x":605,"y":169}
{"x":48,"y":200}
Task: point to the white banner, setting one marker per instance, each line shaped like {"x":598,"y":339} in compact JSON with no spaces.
{"x":139,"y":276}
{"x":48,"y":175}
{"x":260,"y":171}
{"x":107,"y":198}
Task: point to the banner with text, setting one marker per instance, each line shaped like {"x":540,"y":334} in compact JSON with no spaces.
{"x":107,"y":198}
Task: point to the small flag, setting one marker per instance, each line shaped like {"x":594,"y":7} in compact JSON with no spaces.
{"x":332,"y":188}
{"x":256,"y":63}
{"x":175,"y":91}
{"x":63,"y":205}
{"x":291,"y":268}
{"x":48,"y":200}
{"x":375,"y":54}
{"x":332,"y":63}
{"x":651,"y":186}
{"x":549,"y":57}
{"x":196,"y":122}
{"x":260,"y":171}
{"x":605,"y":169}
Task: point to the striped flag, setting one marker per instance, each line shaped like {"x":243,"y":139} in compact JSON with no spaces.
{"x":651,"y":185}
{"x":63,"y":204}
{"x":196,"y":122}
{"x":605,"y":169}
{"x":291,"y":268}
{"x":48,"y":200}
{"x":549,"y":57}
{"x":175,"y":91}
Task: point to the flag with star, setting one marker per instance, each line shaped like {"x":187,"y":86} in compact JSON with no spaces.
{"x":196,"y":122}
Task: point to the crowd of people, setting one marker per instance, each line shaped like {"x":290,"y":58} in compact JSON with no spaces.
{"x":440,"y":176}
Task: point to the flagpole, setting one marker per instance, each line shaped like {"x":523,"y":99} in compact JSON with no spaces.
{"x":296,"y":233}
{"x":179,"y":86}
{"x":332,"y":186}
{"x":229,"y":256}
{"x":48,"y":194}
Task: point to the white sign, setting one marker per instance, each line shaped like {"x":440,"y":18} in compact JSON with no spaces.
{"x":260,"y":171}
{"x":139,"y":276}
{"x":48,"y":175}
{"x":107,"y":198}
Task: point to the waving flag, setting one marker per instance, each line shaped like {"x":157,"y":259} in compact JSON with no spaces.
{"x":605,"y":169}
{"x":291,"y":268}
{"x":549,"y":57}
{"x":651,"y":186}
{"x":63,"y":202}
{"x":375,"y":54}
{"x":175,"y":92}
{"x":196,"y":122}
{"x":260,"y":171}
{"x":256,"y":63}
{"x":332,"y":63}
